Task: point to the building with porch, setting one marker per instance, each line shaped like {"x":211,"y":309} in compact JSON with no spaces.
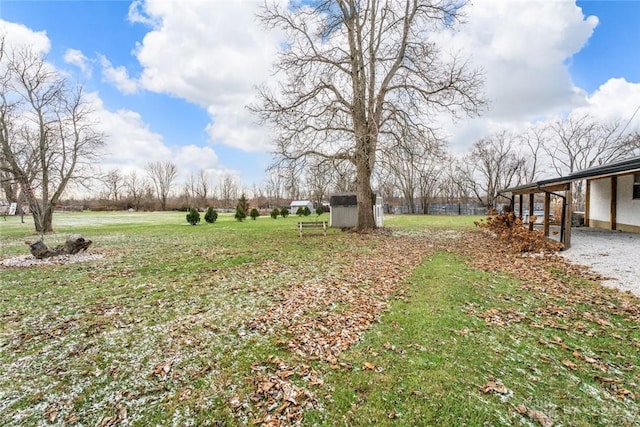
{"x":612,"y":198}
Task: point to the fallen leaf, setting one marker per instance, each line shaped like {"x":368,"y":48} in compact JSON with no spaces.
{"x":369,"y":366}
{"x":494,"y":387}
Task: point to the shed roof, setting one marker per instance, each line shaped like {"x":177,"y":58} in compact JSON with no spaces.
{"x":343,"y":199}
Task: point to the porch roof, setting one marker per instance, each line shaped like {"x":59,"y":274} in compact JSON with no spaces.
{"x":627,"y":166}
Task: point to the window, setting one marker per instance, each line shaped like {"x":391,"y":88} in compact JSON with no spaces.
{"x":636,"y":186}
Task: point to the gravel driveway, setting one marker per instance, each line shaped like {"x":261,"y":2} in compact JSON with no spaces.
{"x":613,"y":254}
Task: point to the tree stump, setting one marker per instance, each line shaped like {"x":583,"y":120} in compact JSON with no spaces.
{"x":74,"y":244}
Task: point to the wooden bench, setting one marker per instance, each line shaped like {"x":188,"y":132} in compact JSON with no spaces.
{"x":312,"y":224}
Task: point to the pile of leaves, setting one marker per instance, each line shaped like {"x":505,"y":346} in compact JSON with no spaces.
{"x":515,"y":237}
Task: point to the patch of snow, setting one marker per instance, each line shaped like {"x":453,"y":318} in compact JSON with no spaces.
{"x":25,"y":261}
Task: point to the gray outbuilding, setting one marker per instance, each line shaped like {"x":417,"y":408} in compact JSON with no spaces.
{"x":344,"y":210}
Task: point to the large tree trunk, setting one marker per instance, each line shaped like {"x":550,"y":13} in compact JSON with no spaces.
{"x":43,"y":220}
{"x":74,"y":244}
{"x":364,"y":195}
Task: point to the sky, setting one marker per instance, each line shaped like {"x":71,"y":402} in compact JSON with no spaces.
{"x":170,"y":80}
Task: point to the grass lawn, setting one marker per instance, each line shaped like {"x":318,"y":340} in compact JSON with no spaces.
{"x":427,"y":323}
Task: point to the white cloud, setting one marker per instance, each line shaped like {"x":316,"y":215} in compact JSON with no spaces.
{"x":523,"y":47}
{"x":137,"y":14}
{"x":615,"y":100}
{"x":130,"y":144}
{"x":19,"y":35}
{"x":118,"y":76}
{"x":77,"y":58}
{"x":212,"y":54}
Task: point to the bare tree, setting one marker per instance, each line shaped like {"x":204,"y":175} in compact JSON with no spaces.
{"x":115,"y":184}
{"x":48,"y":137}
{"x":229,"y":189}
{"x":163,"y":175}
{"x":318,"y":179}
{"x":357,"y":75}
{"x":273,"y":188}
{"x":345,"y":176}
{"x":492,"y":165}
{"x":533,"y":139}
{"x":429,"y":172}
{"x":190,"y":189}
{"x":203,"y":187}
{"x":136,"y":186}
{"x":580,"y":142}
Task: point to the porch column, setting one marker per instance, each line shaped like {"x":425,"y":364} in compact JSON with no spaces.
{"x":547,"y":210}
{"x":587,"y":198}
{"x":614,"y":202}
{"x":520,"y":207}
{"x":568,"y":213}
{"x":530,"y":211}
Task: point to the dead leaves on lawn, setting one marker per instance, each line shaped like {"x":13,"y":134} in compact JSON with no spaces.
{"x":562,"y":304}
{"x":322,"y":319}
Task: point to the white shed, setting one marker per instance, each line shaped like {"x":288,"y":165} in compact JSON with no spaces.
{"x":296,"y":204}
{"x":344,"y":210}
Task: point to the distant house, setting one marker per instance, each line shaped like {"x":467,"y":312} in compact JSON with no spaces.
{"x":344,"y":210}
{"x":296,"y":204}
{"x":612,"y":197}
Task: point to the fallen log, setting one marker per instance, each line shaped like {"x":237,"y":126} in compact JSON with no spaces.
{"x":74,"y":244}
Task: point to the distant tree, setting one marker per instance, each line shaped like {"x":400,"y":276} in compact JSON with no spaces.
{"x":274,"y":213}
{"x":492,"y":165}
{"x":48,"y":133}
{"x":580,"y":142}
{"x":115,"y":184}
{"x":211,"y":215}
{"x":229,"y":189}
{"x":135,"y":186}
{"x":254,"y":213}
{"x":162,"y":174}
{"x":241,"y":208}
{"x":193,"y":217}
{"x":203,"y":187}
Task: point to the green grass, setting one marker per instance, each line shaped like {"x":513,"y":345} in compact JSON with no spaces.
{"x":157,"y":332}
{"x":432,"y":360}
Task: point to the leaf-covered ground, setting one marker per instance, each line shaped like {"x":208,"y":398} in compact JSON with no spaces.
{"x":246,"y":323}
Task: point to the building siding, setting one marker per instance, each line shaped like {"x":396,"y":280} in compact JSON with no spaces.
{"x":627,"y":209}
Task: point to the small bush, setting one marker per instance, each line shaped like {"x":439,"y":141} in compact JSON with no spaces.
{"x":300,"y":211}
{"x":193,"y":217}
{"x":274,"y":213}
{"x":306,"y":211}
{"x":319,"y":210}
{"x":211,"y":216}
{"x":284,"y":212}
{"x":254,"y":214}
{"x":242,"y":208}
